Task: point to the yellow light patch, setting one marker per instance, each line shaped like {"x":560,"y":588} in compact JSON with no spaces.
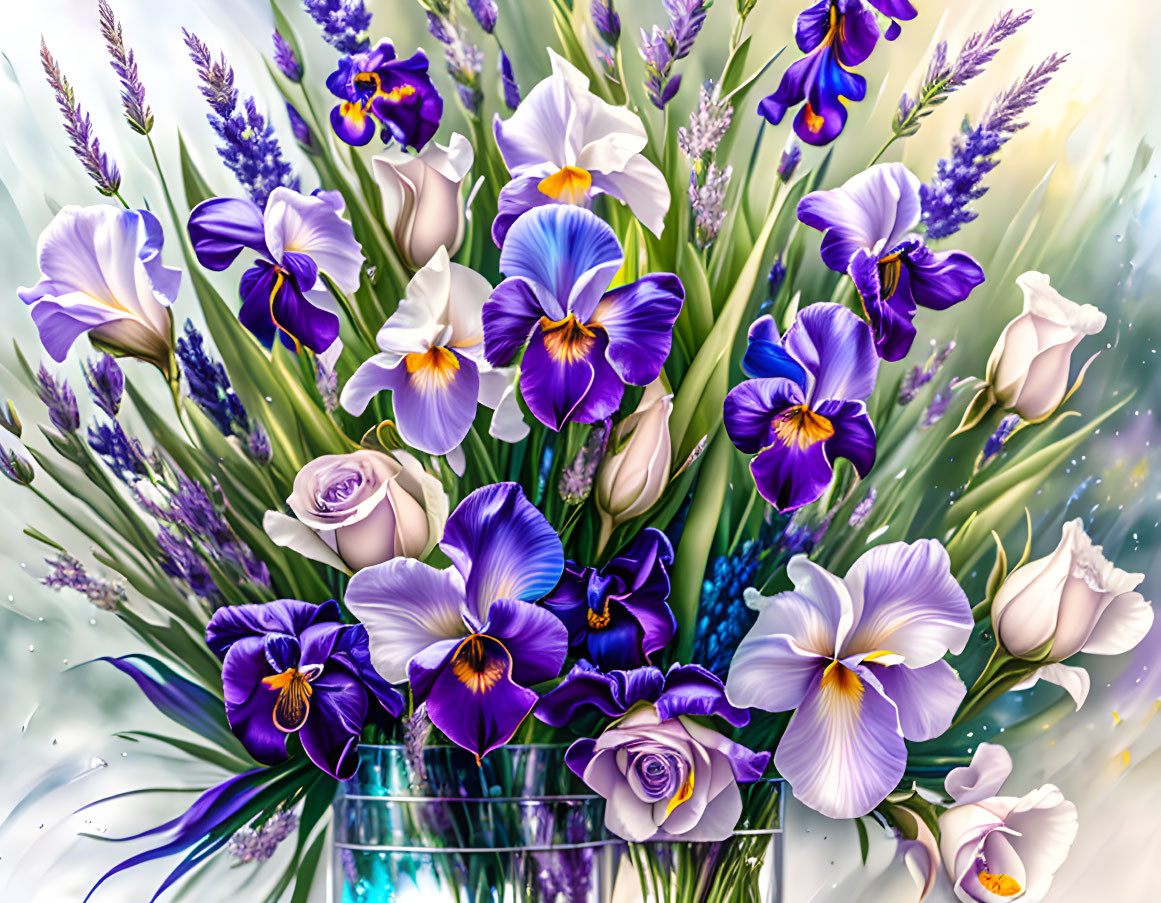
{"x":800,"y":424}
{"x":1001,"y":884}
{"x":684,"y":792}
{"x":432,"y":369}
{"x":571,"y":184}
{"x":474,"y":668}
{"x":567,"y":340}
{"x":879,"y":654}
{"x":354,"y":111}
{"x":293,"y":704}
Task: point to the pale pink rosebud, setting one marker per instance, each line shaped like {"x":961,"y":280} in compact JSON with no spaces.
{"x":423,"y":204}
{"x":1028,"y":369}
{"x":633,"y":475}
{"x":361,"y":508}
{"x":1074,"y":600}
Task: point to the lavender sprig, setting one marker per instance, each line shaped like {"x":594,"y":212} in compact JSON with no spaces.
{"x":660,"y":49}
{"x":344,"y":23}
{"x":485,"y":12}
{"x":249,"y":147}
{"x":511,"y":90}
{"x":137,"y":112}
{"x":707,"y":201}
{"x":85,"y":145}
{"x":943,"y":77}
{"x":288,"y":64}
{"x":606,"y":21}
{"x":708,"y":125}
{"x":958,"y":177}
{"x":58,"y":397}
{"x":465,"y":61}
{"x":106,"y":383}
{"x":16,"y":467}
{"x":68,"y":573}
{"x":209,"y":386}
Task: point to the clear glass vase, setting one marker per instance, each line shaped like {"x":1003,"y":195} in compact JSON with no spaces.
{"x":519,"y":827}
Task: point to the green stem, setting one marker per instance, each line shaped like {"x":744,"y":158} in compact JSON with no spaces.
{"x":483,"y":457}
{"x":883,"y":149}
{"x":124,"y":203}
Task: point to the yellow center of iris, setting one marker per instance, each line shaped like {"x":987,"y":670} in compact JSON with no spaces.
{"x":598,"y":620}
{"x":293,"y":703}
{"x":432,"y":369}
{"x":999,"y":883}
{"x":567,"y":340}
{"x":474,"y":668}
{"x":684,"y":792}
{"x":571,"y":184}
{"x":398,"y":93}
{"x":841,"y":684}
{"x":801,"y":425}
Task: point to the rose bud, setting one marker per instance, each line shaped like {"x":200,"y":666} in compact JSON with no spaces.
{"x":361,"y":508}
{"x":1028,"y":368}
{"x":423,"y":204}
{"x":1074,"y":600}
{"x":632,"y":477}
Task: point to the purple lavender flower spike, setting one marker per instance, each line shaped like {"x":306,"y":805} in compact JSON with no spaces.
{"x":79,"y":128}
{"x":957,"y":179}
{"x":583,"y":342}
{"x":137,"y":112}
{"x":344,"y":23}
{"x":508,"y":82}
{"x":209,"y":386}
{"x":606,"y":21}
{"x":375,"y":86}
{"x":660,"y":49}
{"x":485,"y":12}
{"x":468,"y":637}
{"x":835,"y":35}
{"x":106,"y":383}
{"x":298,"y":237}
{"x":58,"y":397}
{"x":288,"y":64}
{"x":300,"y":129}
{"x":249,"y":147}
{"x":860,"y":661}
{"x":291,"y":667}
{"x":805,"y":405}
{"x":618,"y":616}
{"x":866,"y":226}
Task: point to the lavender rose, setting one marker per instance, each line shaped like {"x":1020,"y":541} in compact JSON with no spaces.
{"x":664,"y":776}
{"x":361,"y":508}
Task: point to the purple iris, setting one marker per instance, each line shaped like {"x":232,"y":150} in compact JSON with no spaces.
{"x":619,"y":614}
{"x":834,"y":35}
{"x":683,"y":690}
{"x":291,"y":667}
{"x":805,"y":403}
{"x":584,"y":342}
{"x":376,"y":87}
{"x":866,"y":225}
{"x":860,"y":661}
{"x":298,"y":237}
{"x":469,"y":637}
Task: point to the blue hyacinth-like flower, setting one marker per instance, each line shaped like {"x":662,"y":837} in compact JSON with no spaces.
{"x":959,"y":177}
{"x":344,"y":23}
{"x":209,"y":386}
{"x":722,"y":616}
{"x":248,"y":146}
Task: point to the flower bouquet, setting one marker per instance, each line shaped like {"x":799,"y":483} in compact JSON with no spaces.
{"x":520,"y":517}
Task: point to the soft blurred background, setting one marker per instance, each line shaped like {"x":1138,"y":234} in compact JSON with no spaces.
{"x":1075,"y":195}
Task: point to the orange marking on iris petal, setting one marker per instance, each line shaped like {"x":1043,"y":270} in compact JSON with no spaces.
{"x":352,"y":110}
{"x":473,"y":668}
{"x":280,"y":280}
{"x":814,"y":122}
{"x":567,"y":340}
{"x":801,"y":425}
{"x":1001,"y":884}
{"x":570,"y":184}
{"x":432,"y":369}
{"x":293,"y":704}
{"x":396,"y":94}
{"x":598,"y":620}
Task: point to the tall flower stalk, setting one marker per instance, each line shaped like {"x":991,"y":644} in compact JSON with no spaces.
{"x":946,"y":76}
{"x":87,"y":147}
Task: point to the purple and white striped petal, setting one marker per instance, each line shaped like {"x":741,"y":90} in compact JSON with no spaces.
{"x":311,"y":225}
{"x":407,"y":606}
{"x":927,"y":698}
{"x":565,"y":376}
{"x":639,"y":319}
{"x":435,"y":401}
{"x":843,"y":749}
{"x":503,"y":546}
{"x":837,"y":351}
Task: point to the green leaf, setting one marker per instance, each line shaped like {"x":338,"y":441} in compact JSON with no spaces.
{"x":864,"y":840}
{"x":216,"y":757}
{"x":307,"y":869}
{"x":980,"y":404}
{"x":735,"y":66}
{"x":196,"y":187}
